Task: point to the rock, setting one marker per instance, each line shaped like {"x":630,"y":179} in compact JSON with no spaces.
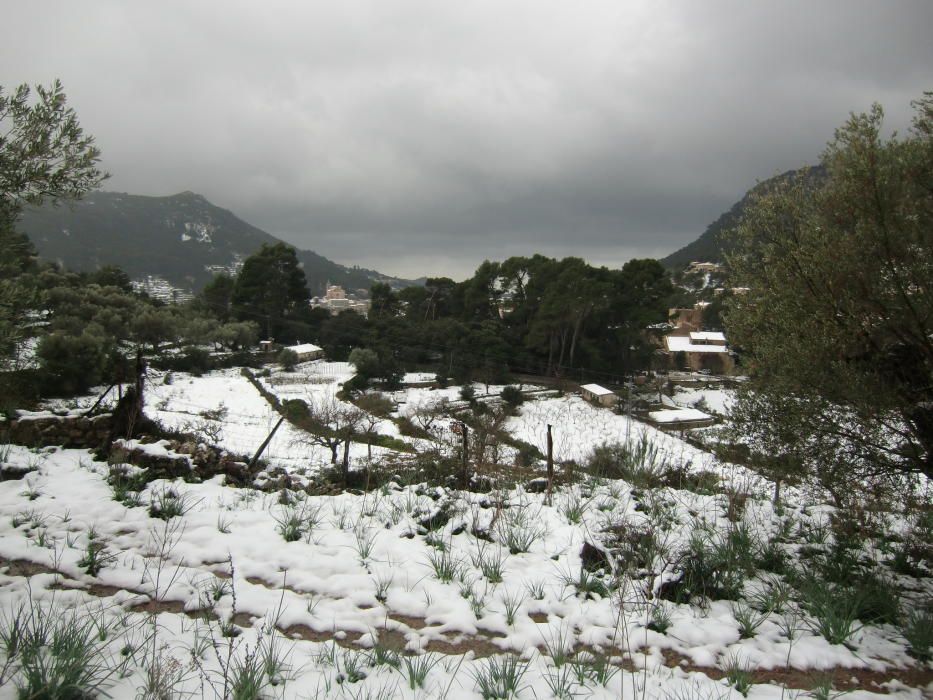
{"x":536,"y":486}
{"x":594,"y":558}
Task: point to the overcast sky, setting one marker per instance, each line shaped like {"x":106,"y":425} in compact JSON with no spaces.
{"x":422,"y":137}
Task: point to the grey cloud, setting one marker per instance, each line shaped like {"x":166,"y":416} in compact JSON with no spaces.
{"x":408,"y":135}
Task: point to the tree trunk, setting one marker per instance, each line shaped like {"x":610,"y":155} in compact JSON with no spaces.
{"x":346,"y":462}
{"x":578,"y":324}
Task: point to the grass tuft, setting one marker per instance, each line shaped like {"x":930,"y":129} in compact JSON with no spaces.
{"x":500,"y":677}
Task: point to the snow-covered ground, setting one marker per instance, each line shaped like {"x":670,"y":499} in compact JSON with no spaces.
{"x":362,"y":571}
{"x":247,"y":418}
{"x":578,"y":426}
{"x":457,"y":583}
{"x":718,"y":401}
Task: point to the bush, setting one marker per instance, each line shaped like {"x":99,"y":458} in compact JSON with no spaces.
{"x":714,"y":568}
{"x":287,"y":358}
{"x":71,"y":363}
{"x":467,"y":392}
{"x":639,"y":462}
{"x":919,"y":634}
{"x":834,"y":609}
{"x":58,"y":654}
{"x":356,"y":383}
{"x":512,"y":396}
{"x":192,"y":359}
{"x":296,"y":410}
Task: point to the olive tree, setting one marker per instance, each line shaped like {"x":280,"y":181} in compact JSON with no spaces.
{"x":837,"y":324}
{"x":44,"y":155}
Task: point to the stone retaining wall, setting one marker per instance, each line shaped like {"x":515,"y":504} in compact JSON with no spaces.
{"x":75,"y":430}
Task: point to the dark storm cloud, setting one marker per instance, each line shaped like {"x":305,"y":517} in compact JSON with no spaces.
{"x":422,"y":137}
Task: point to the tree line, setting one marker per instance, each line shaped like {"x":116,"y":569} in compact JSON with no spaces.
{"x":835,"y":328}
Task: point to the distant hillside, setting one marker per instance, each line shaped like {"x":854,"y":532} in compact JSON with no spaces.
{"x":181,"y":238}
{"x":718,"y":239}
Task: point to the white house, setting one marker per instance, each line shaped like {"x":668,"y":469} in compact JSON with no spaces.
{"x":306,"y":351}
{"x":599,"y":394}
{"x":701,"y":350}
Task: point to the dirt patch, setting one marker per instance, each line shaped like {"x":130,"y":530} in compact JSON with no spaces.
{"x":415,"y":623}
{"x":26,"y":569}
{"x":843,"y":679}
{"x":304,"y":632}
{"x":480,"y":646}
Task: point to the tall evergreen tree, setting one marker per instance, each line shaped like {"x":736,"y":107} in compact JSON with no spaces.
{"x":270,"y":288}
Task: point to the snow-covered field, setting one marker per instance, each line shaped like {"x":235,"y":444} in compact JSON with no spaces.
{"x":247,"y":416}
{"x":414,"y":591}
{"x":578,"y":426}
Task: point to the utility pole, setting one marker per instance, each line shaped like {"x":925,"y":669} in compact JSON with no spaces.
{"x":550,"y":463}
{"x":461,"y":429}
{"x":265,"y":443}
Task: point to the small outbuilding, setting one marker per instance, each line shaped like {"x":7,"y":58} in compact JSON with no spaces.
{"x":680,"y":418}
{"x":599,"y":394}
{"x":306,"y":351}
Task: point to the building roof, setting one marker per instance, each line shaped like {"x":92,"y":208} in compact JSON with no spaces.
{"x":304,"y":348}
{"x":681,"y":343}
{"x":708,"y":335}
{"x":597,"y":390}
{"x":678,"y":415}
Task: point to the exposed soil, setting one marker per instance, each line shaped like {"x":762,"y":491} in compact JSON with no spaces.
{"x":483,"y":644}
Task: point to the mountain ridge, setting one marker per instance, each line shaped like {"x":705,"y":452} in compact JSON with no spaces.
{"x":182,"y":238}
{"x":717,"y":240}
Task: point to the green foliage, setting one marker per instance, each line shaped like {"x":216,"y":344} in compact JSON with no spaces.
{"x":44,"y":153}
{"x":287,"y":358}
{"x":714,"y":567}
{"x":836,"y":324}
{"x":366,"y":362}
{"x":296,"y":410}
{"x":640,"y":461}
{"x":834,"y":608}
{"x":217,"y":296}
{"x":738,"y":674}
{"x":500,"y":677}
{"x":383,"y":301}
{"x":270,"y":288}
{"x":918,"y":630}
{"x":57,"y":654}
{"x":71,"y":363}
{"x":512,"y":396}
{"x":168,"y":503}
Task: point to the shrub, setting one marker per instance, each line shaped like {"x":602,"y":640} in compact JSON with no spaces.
{"x":71,"y":363}
{"x":513,"y":396}
{"x":638,"y":461}
{"x":714,"y":567}
{"x":918,"y":631}
{"x":295,"y":410}
{"x":58,"y":654}
{"x":834,"y":609}
{"x":168,"y":504}
{"x":467,"y":392}
{"x":287,"y":358}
